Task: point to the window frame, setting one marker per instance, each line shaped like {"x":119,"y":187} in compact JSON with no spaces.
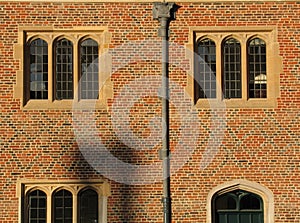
{"x":63,"y":74}
{"x":26,"y":186}
{"x":237,"y":196}
{"x":80,"y":193}
{"x":27,"y":204}
{"x":28,"y":68}
{"x":100,"y":34}
{"x":55,"y":207}
{"x":212,"y":81}
{"x":243,"y":34}
{"x":226,"y":79}
{"x":241,"y":184}
{"x":80,"y":73}
{"x":261,"y":63}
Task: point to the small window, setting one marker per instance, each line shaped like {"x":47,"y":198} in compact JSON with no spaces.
{"x":257,"y":69}
{"x":63,"y":69}
{"x":205,"y":78}
{"x":89,"y":83}
{"x":62,"y":206}
{"x":232,"y":86}
{"x":238,"y":207}
{"x":38,"y":69}
{"x":37,"y":203}
{"x":88,"y":206}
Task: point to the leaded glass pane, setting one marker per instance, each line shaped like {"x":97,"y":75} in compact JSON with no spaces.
{"x":38,"y":62}
{"x":63,"y":206}
{"x":205,"y":77}
{"x":37,"y":206}
{"x":250,"y":202}
{"x":257,"y":217}
{"x":232,"y":87}
{"x":88,"y":206}
{"x":232,"y":218}
{"x":89,"y":83}
{"x":245,"y":218}
{"x":257,"y":69}
{"x":238,"y":206}
{"x":225,"y":202}
{"x":64,"y":69}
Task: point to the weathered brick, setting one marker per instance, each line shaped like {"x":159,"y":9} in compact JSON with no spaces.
{"x":260,"y":145}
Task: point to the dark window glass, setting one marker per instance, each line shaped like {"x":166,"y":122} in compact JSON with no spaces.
{"x":37,"y":201}
{"x":89,"y":83}
{"x":64,"y":69}
{"x":232,"y":87}
{"x":88,"y":206}
{"x":38,"y":66}
{"x":205,"y":77}
{"x":225,"y":202}
{"x":257,"y":69}
{"x":238,"y":207}
{"x":250,"y":201}
{"x":62,"y":206}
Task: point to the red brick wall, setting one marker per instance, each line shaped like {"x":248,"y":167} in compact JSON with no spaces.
{"x":260,"y":145}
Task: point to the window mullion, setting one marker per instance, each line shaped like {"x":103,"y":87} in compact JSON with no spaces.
{"x":49,"y":208}
{"x":50,"y":72}
{"x":100,"y":71}
{"x":244,"y":67}
{"x":219,"y":70}
{"x":75,"y":206}
{"x":76,"y":70}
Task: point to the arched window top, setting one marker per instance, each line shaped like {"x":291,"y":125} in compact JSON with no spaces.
{"x":256,"y":41}
{"x":38,"y":42}
{"x":257,"y":47}
{"x":207,"y":38}
{"x":238,"y":200}
{"x":89,"y":42}
{"x":206,"y":42}
{"x":63,"y":42}
{"x":88,"y":191}
{"x":37,"y":192}
{"x":62,"y":191}
{"x":231,"y":41}
{"x":226,"y":202}
{"x":31,"y":39}
{"x":250,"y":201}
{"x":207,"y":50}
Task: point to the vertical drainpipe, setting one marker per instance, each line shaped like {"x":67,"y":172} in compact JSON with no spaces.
{"x":164,"y":12}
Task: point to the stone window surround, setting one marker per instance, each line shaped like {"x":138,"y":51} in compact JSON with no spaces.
{"x":75,"y":35}
{"x":24,"y":186}
{"x":242,"y":34}
{"x":242,"y":184}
